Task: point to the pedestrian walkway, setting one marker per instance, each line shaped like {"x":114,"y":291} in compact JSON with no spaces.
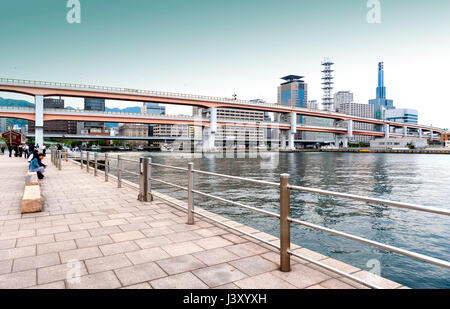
{"x":112,"y":240}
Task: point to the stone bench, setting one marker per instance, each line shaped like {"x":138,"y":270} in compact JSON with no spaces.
{"x":31,"y":179}
{"x":32,"y":199}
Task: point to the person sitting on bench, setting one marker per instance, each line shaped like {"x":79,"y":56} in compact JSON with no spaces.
{"x":37,"y":166}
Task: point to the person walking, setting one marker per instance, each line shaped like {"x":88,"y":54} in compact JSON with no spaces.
{"x":20,"y":148}
{"x":31,"y":149}
{"x":10,"y":147}
{"x":44,"y":149}
{"x":3,"y":149}
{"x":25,"y":151}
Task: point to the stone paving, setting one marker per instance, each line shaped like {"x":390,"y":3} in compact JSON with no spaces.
{"x":120,"y":242}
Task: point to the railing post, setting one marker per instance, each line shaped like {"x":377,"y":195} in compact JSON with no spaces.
{"x":81,"y":159}
{"x":59,"y":159}
{"x":95,"y":164}
{"x":150,"y":178}
{"x":119,"y":174}
{"x":143,"y":183}
{"x":87,"y":161}
{"x":285,"y":232}
{"x":190,"y":194}
{"x":66,"y":155}
{"x":106,"y":167}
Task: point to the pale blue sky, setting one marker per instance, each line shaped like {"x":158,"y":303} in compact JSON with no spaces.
{"x":217,"y":47}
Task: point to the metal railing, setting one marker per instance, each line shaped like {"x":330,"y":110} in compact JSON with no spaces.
{"x":145,"y":194}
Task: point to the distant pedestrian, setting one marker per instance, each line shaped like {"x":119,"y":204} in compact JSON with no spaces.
{"x":10,"y":147}
{"x":26,"y":151}
{"x":44,"y":149}
{"x":20,"y":148}
{"x":16,"y":150}
{"x":3,"y":149}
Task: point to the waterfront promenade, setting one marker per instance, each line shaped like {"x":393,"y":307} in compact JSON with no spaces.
{"x":123,"y":243}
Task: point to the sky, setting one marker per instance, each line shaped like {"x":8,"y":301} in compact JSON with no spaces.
{"x":221,"y":47}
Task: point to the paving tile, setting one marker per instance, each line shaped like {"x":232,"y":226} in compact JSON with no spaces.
{"x":247,"y":249}
{"x":83,"y":226}
{"x":80,"y":254}
{"x":7,"y":244}
{"x":15,"y":253}
{"x":93,"y":241}
{"x":336,"y":284}
{"x":180,"y":281}
{"x":213,"y":242}
{"x":302,"y":276}
{"x":132,"y":235}
{"x":219,"y":275}
{"x":18,"y":280}
{"x":139,"y":273}
{"x":183,"y":236}
{"x":29,"y":241}
{"x":140,"y":286}
{"x":107,"y":263}
{"x":58,"y":285}
{"x":5,"y":266}
{"x":71,"y":235}
{"x":215,"y":256}
{"x":52,"y":230}
{"x":254,"y":265}
{"x":120,"y":247}
{"x":340,"y":265}
{"x":104,"y":280}
{"x":228,"y":286}
{"x":34,"y":262}
{"x":147,"y":255}
{"x":264,"y":281}
{"x":377,"y":280}
{"x":180,"y":264}
{"x":104,"y":231}
{"x":152,"y":242}
{"x":56,"y":247}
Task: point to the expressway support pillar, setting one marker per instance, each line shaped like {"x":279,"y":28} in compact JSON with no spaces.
{"x":283,"y":140}
{"x":345,"y":142}
{"x":349,"y":129}
{"x":387,"y":130}
{"x":420,"y":133}
{"x":209,"y":134}
{"x":405,"y":131}
{"x":39,"y":121}
{"x":292,"y":131}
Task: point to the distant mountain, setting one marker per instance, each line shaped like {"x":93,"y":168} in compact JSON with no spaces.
{"x":134,"y":109}
{"x":15,"y":103}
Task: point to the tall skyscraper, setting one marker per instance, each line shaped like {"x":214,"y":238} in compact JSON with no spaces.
{"x":3,"y":125}
{"x":293,"y":92}
{"x":381,"y":104}
{"x":360,"y":110}
{"x":93,"y":104}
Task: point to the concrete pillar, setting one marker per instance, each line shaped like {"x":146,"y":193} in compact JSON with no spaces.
{"x":345,"y":142}
{"x":431,"y":135}
{"x":349,"y":128}
{"x":292,"y":131}
{"x":405,"y":131}
{"x":387,"y":130}
{"x":283,"y":140}
{"x":420,"y":133}
{"x":39,"y":121}
{"x":209,"y":133}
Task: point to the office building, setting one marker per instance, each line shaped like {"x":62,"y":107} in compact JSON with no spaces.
{"x":134,"y":129}
{"x":360,"y":110}
{"x":152,"y":108}
{"x":403,"y":115}
{"x":294,"y":92}
{"x":381,"y":104}
{"x":233,"y":131}
{"x":55,"y":126}
{"x":93,"y":104}
{"x":342,"y":97}
{"x":3,"y":125}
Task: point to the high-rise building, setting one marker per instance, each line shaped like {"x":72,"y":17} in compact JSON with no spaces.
{"x":152,"y":108}
{"x":3,"y":125}
{"x":312,"y":104}
{"x":403,"y":115}
{"x":381,"y":104}
{"x":134,"y":129}
{"x":360,"y":110}
{"x":55,"y":126}
{"x":342,"y":97}
{"x":293,"y":92}
{"x":94,"y":104}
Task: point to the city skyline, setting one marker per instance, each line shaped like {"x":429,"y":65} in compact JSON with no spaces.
{"x":242,"y":47}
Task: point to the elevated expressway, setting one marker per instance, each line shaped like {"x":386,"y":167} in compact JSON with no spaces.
{"x":40,"y":89}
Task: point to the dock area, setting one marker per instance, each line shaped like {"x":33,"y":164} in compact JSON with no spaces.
{"x":111,"y":240}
